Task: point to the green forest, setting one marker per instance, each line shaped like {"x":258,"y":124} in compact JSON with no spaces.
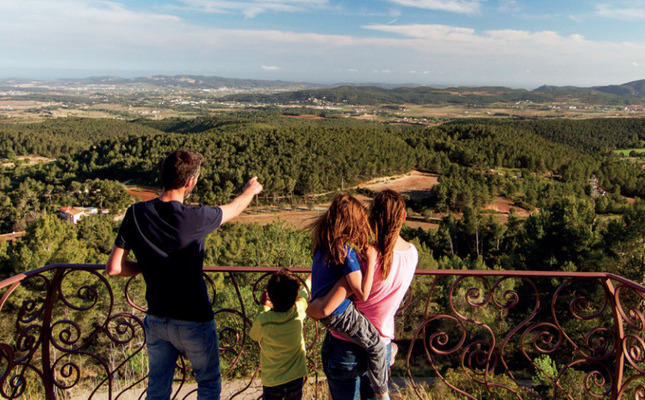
{"x":478,"y":96}
{"x":545,"y":166}
{"x":586,"y":200}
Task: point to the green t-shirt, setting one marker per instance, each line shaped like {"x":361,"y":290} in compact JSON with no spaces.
{"x":282,"y":355}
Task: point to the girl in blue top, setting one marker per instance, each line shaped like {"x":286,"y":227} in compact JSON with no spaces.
{"x":340,"y":236}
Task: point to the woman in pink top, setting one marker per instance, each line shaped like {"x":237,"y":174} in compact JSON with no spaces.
{"x":344,"y":362}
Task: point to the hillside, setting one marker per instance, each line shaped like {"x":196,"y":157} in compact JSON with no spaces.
{"x":371,"y":95}
{"x":527,"y":194}
{"x":284,"y":92}
{"x":153,"y":83}
{"x":201,"y":82}
{"x":473,"y":96}
{"x":634,"y":88}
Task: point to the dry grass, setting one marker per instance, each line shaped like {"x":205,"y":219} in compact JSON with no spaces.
{"x":415,"y":184}
{"x":30,"y":160}
{"x":304,"y":116}
{"x":144,"y":194}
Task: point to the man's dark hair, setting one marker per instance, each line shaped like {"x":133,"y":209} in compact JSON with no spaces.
{"x":283,"y":290}
{"x":178,"y":167}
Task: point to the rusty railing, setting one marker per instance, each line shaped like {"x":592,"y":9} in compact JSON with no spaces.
{"x":69,"y":331}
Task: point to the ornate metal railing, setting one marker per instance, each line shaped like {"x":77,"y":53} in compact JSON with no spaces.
{"x":69,"y":331}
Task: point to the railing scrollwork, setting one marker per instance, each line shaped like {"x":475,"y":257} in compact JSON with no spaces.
{"x":69,"y":331}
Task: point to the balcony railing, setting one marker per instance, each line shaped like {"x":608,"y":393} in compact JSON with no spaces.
{"x":69,"y":331}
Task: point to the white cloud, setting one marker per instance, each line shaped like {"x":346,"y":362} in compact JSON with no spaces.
{"x":252,"y":8}
{"x":92,"y":30}
{"x":615,"y":11}
{"x":424,"y":31}
{"x":393,"y":13}
{"x":456,"y":6}
{"x":94,"y":34}
{"x":508,"y":6}
{"x":503,"y":55}
{"x":97,"y":31}
{"x":459,"y":40}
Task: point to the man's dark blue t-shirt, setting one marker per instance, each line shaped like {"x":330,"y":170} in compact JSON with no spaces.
{"x":168,"y":240}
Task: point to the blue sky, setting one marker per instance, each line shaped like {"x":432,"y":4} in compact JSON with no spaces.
{"x":515,"y":43}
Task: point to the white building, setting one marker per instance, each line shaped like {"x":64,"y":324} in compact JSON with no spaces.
{"x":74,"y":214}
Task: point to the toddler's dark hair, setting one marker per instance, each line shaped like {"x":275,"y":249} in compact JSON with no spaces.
{"x":283,"y":290}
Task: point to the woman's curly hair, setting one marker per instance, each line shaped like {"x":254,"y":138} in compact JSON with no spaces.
{"x":345,"y":223}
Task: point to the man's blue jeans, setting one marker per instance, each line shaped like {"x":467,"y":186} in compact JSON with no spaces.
{"x":166,"y":338}
{"x":345,"y":365}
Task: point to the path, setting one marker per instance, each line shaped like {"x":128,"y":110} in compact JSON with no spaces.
{"x":230,"y":388}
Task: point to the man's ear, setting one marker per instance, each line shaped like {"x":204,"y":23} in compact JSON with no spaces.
{"x":192,"y":181}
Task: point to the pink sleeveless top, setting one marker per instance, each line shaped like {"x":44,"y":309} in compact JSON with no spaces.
{"x":387,"y":294}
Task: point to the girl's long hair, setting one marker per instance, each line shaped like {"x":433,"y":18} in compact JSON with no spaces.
{"x":344,"y":223}
{"x":386,"y":218}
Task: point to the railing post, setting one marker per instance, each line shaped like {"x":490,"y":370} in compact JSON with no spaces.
{"x":620,"y":338}
{"x":46,"y":332}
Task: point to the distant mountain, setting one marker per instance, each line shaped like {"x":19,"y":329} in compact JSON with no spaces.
{"x":372,"y":95}
{"x":548,"y":88}
{"x":283,"y":92}
{"x":631,"y":93}
{"x":188,"y":82}
{"x":634,"y":88}
{"x":385,"y":85}
{"x":215,"y":82}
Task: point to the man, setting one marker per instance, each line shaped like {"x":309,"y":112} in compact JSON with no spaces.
{"x":167,"y":238}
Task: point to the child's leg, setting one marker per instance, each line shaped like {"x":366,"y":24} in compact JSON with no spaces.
{"x":367,"y":392}
{"x":353,"y":325}
{"x":271,"y":393}
{"x":294,"y":391}
{"x":287,"y":391}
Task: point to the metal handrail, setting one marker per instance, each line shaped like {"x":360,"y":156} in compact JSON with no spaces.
{"x":69,"y":330}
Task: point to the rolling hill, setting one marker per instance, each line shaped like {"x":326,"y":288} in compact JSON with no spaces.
{"x":283,"y":92}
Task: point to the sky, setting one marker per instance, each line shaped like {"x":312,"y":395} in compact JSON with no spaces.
{"x":512,"y":43}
